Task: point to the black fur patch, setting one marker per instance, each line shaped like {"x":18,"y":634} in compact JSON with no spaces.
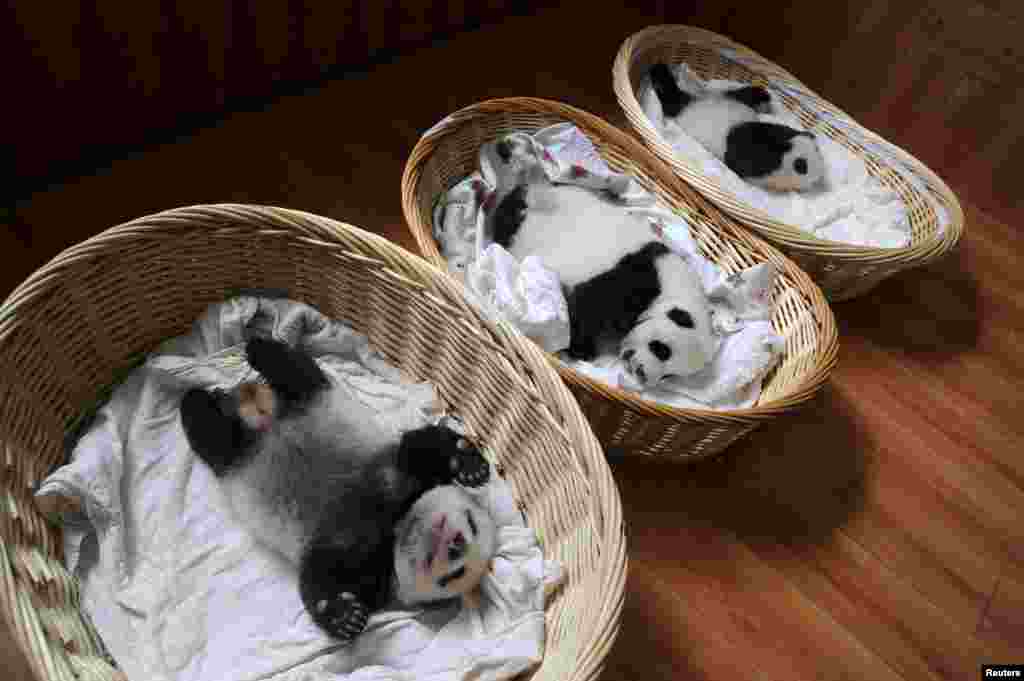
{"x":754,"y":96}
{"x":432,"y":455}
{"x":756,"y":148}
{"x":608,"y":305}
{"x":452,"y":576}
{"x":292,"y":373}
{"x":681,"y":317}
{"x":660,"y":350}
{"x":672,"y":98}
{"x":220,"y":439}
{"x":509,"y":215}
{"x":504,"y":150}
{"x":210,"y":419}
{"x":800,"y":166}
{"x":350,"y":553}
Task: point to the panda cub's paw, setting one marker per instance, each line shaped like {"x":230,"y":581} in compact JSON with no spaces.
{"x":344,"y":618}
{"x":469,"y":465}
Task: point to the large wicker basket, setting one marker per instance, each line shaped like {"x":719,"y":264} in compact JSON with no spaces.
{"x":842,"y":270}
{"x":79,"y":321}
{"x":624,"y":423}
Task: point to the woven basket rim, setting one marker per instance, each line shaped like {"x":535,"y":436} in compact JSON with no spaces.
{"x":604,"y":507}
{"x":826,"y":352}
{"x":932,"y":246}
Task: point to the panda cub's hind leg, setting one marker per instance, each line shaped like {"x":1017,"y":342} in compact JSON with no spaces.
{"x":213,"y":428}
{"x":292,"y":373}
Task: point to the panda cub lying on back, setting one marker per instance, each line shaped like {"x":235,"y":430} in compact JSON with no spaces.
{"x":770,"y":155}
{"x":362,"y":514}
{"x":623,"y":285}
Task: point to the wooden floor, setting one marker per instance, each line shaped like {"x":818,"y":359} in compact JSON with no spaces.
{"x":878,"y":535}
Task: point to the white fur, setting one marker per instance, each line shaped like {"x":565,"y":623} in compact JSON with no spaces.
{"x":273,"y":525}
{"x":259,"y":491}
{"x":576,"y":232}
{"x":785,"y":178}
{"x":692,"y":350}
{"x":709,"y":120}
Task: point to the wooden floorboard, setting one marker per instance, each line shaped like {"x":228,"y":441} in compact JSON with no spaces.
{"x":877,"y":535}
{"x":1002,"y":621}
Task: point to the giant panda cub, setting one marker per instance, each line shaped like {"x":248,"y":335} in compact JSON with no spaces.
{"x":362,"y":514}
{"x":624,"y":288}
{"x":769,"y":155}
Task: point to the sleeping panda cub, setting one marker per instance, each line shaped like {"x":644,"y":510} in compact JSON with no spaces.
{"x":769,"y":155}
{"x":623,"y":286}
{"x":363,"y":515}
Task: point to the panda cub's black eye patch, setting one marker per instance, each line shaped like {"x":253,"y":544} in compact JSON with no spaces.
{"x":451,"y":577}
{"x":800,"y":166}
{"x":660,"y":350}
{"x":682,"y":318}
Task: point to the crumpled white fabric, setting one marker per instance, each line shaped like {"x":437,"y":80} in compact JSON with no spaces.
{"x":529,"y":296}
{"x":179,"y":591}
{"x":851,"y":207}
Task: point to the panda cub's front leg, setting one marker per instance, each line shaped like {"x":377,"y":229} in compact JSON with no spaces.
{"x":342,"y":580}
{"x":591,"y":307}
{"x":437,"y":455}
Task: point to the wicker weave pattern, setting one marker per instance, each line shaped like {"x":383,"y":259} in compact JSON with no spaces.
{"x":449,"y":152}
{"x":92,"y":310}
{"x":842,"y":270}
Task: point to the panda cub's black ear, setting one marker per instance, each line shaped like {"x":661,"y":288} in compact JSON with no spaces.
{"x":682,"y":318}
{"x":504,"y":150}
{"x":754,"y":96}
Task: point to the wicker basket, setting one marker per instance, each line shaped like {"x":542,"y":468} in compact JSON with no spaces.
{"x":80,"y":320}
{"x":842,"y":270}
{"x":624,"y":423}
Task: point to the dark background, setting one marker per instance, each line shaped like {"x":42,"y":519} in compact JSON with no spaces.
{"x":90,"y":81}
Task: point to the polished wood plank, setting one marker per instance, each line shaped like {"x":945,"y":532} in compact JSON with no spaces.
{"x":725,"y":587}
{"x":681,"y":642}
{"x":1002,"y":622}
{"x":875,"y":535}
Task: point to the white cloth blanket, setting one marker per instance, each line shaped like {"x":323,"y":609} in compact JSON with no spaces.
{"x":851,"y":206}
{"x":529,"y":296}
{"x":179,"y":591}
